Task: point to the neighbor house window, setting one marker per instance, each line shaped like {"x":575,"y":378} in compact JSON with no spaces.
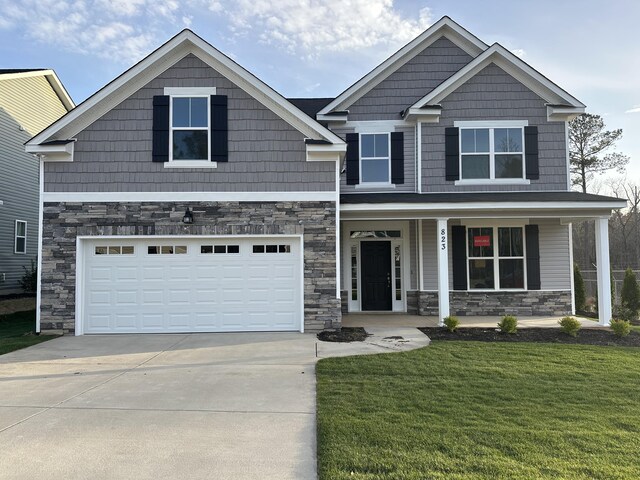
{"x":496,"y":268}
{"x":20,"y":245}
{"x":375,"y":164}
{"x":492,"y":153}
{"x":189,"y":128}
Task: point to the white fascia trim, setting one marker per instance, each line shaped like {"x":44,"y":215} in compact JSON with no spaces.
{"x":431,"y":115}
{"x":514,"y":66}
{"x":191,"y":164}
{"x":164,"y":57}
{"x":445,"y":27}
{"x":189,"y":90}
{"x":98,"y":197}
{"x":53,"y":153}
{"x":563,"y":114}
{"x":382,"y":207}
{"x":332,"y":118}
{"x":377,"y":126}
{"x":491,"y":123}
{"x":325,"y":153}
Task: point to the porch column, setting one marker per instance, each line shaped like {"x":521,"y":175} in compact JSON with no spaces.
{"x":443,"y":270}
{"x":603,"y":271}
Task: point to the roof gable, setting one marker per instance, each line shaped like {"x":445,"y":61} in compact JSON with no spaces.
{"x":511,"y":64}
{"x":50,"y":75}
{"x":445,"y":27}
{"x":183,"y":44}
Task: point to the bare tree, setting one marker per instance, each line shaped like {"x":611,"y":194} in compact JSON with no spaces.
{"x":590,"y":149}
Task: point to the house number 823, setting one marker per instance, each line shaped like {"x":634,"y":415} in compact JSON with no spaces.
{"x":443,"y":239}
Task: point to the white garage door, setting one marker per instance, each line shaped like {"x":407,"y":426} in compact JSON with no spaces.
{"x":159,"y":285}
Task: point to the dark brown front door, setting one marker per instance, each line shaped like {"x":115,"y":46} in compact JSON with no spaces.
{"x":376,"y":275}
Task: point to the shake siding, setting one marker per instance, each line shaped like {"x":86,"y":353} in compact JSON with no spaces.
{"x":410,"y":82}
{"x":494,"y":95}
{"x":265,"y":152}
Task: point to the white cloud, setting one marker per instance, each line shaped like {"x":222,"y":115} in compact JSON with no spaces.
{"x":634,"y":109}
{"x":519,"y":52}
{"x":311,"y":27}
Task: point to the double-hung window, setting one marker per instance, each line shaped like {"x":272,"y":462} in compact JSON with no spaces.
{"x":190,"y":135}
{"x":493,"y":268}
{"x":20,"y":244}
{"x":492,"y":152}
{"x":375,"y":159}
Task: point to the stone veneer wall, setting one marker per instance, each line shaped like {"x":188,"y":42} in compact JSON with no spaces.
{"x":63,"y":222}
{"x":532,"y":302}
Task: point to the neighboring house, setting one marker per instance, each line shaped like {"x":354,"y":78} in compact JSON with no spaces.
{"x":188,"y":196}
{"x":30,"y":100}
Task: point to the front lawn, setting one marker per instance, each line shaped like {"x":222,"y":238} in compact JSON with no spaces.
{"x":17,"y":330}
{"x":470,"y":410}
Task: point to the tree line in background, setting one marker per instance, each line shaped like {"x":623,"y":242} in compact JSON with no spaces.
{"x":592,"y":154}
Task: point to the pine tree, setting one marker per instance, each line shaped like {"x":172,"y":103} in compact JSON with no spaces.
{"x":630,"y":292}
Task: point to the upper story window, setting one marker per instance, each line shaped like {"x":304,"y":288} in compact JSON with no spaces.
{"x":492,"y":153}
{"x":375,"y":158}
{"x":189,"y":128}
{"x":20,"y":245}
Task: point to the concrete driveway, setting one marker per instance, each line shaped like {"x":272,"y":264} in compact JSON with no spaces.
{"x":214,"y":406}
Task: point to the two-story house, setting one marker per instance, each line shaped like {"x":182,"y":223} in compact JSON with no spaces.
{"x":188,"y":196}
{"x":30,"y":100}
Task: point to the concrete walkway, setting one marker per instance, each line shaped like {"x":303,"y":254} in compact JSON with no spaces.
{"x":202,"y":406}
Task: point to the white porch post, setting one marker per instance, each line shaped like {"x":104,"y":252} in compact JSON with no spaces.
{"x":443,"y":270}
{"x":603,"y":271}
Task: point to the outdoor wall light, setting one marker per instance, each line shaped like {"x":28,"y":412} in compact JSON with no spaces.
{"x":188,"y":217}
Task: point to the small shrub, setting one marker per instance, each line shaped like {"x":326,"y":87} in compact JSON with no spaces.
{"x":621,"y":328}
{"x":570,"y":326}
{"x":621,"y":312}
{"x":451,"y":323}
{"x":508,"y":324}
{"x":580,"y":295}
{"x":29,"y":281}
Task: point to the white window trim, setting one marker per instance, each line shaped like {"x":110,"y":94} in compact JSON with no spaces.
{"x":361,"y":183}
{"x":491,"y":125}
{"x":16,"y":237}
{"x":496,"y":258}
{"x":190,"y":92}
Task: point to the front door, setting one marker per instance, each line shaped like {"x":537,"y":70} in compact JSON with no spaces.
{"x":376,"y":275}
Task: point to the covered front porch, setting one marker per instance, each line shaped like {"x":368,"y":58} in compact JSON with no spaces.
{"x":478,"y":256}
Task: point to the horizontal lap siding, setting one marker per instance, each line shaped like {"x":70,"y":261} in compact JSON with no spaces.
{"x":494,"y":95}
{"x":555,"y":266}
{"x":410,"y":82}
{"x":265,"y":152}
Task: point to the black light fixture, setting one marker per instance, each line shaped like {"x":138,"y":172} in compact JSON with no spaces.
{"x":188,"y":217}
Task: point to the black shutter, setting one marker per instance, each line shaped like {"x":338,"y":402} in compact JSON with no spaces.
{"x":533,"y":256}
{"x":397,"y":158}
{"x":160,"y":140}
{"x":531,"y":152}
{"x":459,"y":256}
{"x":219,"y":129}
{"x":353,"y":158}
{"x":452,"y":154}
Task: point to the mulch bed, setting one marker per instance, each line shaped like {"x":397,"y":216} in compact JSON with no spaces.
{"x":544,"y":335}
{"x":345,"y":334}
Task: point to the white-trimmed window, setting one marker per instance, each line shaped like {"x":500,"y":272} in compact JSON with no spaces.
{"x":492,"y":152}
{"x":20,"y":244}
{"x":375,"y":158}
{"x":189,"y":121}
{"x":491,"y":268}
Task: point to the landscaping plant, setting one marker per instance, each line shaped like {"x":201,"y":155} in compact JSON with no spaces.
{"x":508,"y":324}
{"x":630,"y":297}
{"x":570,"y":326}
{"x":621,"y":328}
{"x":451,"y":323}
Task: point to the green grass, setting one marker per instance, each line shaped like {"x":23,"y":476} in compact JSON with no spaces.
{"x":17,"y":330}
{"x":471,"y":410}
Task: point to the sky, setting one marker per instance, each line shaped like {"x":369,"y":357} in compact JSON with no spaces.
{"x":317,"y":48}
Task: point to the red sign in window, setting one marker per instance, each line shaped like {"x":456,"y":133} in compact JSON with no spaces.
{"x":482,"y":241}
